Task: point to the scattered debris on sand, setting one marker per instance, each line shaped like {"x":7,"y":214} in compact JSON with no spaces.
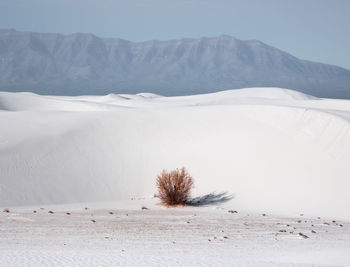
{"x":303,"y":235}
{"x":232,"y":211}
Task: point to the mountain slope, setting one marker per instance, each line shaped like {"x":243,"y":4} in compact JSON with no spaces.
{"x":85,"y":64}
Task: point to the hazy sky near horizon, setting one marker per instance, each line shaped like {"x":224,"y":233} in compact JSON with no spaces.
{"x":317,"y":30}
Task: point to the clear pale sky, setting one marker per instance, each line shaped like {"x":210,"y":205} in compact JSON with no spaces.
{"x":317,"y":30}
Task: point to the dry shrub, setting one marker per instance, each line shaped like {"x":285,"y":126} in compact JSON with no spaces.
{"x":174,"y":187}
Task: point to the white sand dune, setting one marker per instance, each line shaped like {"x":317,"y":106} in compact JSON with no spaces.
{"x":276,"y":150}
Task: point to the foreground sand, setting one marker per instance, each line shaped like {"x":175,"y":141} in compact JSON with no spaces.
{"x":127,"y":235}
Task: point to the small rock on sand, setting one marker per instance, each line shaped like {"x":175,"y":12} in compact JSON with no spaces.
{"x":232,"y":211}
{"x":303,"y":236}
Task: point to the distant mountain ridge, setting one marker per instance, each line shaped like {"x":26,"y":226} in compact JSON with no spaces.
{"x":85,"y":64}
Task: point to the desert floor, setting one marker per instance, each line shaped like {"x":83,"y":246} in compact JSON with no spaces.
{"x":128,"y":235}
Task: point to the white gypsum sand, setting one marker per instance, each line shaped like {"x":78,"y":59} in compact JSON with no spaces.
{"x":123,"y":234}
{"x":276,"y":151}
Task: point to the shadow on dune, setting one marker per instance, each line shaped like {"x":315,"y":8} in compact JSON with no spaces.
{"x":211,"y":199}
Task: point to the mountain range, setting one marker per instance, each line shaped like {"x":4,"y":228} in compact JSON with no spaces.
{"x":86,"y":64}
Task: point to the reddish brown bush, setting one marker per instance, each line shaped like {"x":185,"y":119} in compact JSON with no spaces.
{"x":174,"y":187}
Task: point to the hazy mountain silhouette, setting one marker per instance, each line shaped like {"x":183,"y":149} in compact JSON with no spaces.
{"x":85,"y":64}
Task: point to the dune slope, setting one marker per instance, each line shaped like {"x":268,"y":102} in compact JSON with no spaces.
{"x":276,"y":150}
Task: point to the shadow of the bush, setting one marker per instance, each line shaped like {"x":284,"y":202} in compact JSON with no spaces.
{"x":211,"y":199}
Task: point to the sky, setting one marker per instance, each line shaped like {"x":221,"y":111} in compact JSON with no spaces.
{"x":317,"y":30}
